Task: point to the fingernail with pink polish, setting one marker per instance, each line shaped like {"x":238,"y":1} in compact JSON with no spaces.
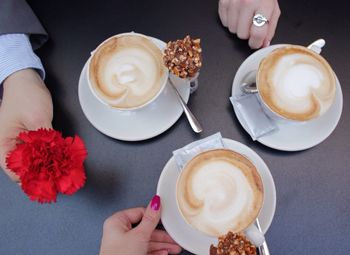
{"x":155,"y":203}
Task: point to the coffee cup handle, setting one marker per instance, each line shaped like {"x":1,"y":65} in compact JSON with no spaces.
{"x":254,"y":235}
{"x":249,"y":83}
{"x":317,"y":45}
{"x":193,"y":83}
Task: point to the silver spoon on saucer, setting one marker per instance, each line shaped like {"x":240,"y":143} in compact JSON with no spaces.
{"x":263,"y":249}
{"x":190,"y":117}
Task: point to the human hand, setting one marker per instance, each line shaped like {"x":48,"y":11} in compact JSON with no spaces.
{"x":237,"y":16}
{"x":120,"y":238}
{"x":26,"y":105}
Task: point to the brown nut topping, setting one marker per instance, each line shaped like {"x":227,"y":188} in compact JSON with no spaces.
{"x":183,"y":57}
{"x":233,"y":244}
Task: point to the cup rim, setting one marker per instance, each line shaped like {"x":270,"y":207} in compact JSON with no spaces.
{"x":219,"y":149}
{"x":166,"y":77}
{"x":316,"y":56}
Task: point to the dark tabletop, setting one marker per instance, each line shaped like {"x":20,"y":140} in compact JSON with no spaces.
{"x":313,"y":192}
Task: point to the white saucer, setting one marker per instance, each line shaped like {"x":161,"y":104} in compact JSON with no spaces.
{"x":295,"y":136}
{"x":188,"y":237}
{"x":141,"y":124}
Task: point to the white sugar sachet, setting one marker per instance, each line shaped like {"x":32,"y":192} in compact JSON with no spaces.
{"x":185,"y":154}
{"x":250,"y":111}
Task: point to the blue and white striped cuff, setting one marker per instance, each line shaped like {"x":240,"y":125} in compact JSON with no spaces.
{"x":16,"y":53}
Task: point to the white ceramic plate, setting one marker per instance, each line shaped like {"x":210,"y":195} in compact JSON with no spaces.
{"x":295,"y":136}
{"x":190,"y":238}
{"x":141,"y":124}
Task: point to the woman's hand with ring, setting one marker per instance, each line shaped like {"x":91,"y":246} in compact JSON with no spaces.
{"x":237,"y":16}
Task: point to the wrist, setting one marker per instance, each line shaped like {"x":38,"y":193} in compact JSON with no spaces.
{"x":22,"y":77}
{"x":26,"y":84}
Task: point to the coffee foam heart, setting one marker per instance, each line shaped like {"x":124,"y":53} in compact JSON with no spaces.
{"x":296,"y":83}
{"x":127,"y":71}
{"x":219,"y":193}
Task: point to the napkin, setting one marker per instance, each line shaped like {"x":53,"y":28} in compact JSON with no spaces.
{"x":249,"y":110}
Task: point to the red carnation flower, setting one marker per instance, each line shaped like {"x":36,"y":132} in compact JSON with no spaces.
{"x":47,"y":163}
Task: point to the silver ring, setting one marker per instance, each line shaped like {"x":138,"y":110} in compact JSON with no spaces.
{"x":259,"y":20}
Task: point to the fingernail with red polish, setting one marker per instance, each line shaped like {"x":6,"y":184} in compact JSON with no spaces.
{"x":155,"y":203}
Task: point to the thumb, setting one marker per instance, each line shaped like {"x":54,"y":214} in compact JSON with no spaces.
{"x":150,"y":219}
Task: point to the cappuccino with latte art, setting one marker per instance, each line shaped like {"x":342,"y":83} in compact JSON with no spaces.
{"x":219,"y":191}
{"x":296,"y":83}
{"x":127,"y":72}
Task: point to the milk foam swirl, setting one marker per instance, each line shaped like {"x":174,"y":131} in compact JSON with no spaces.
{"x":296,"y":83}
{"x":127,"y":71}
{"x":217,"y":194}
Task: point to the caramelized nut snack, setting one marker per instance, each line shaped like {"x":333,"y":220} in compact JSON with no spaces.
{"x":183,"y":57}
{"x":233,"y":244}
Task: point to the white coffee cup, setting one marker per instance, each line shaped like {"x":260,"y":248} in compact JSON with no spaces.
{"x":294,"y":83}
{"x":219,"y":191}
{"x":126,"y":71}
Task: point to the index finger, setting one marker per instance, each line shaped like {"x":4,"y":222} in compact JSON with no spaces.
{"x":222,"y":9}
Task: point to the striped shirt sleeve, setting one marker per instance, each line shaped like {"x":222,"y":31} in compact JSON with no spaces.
{"x":16,"y":53}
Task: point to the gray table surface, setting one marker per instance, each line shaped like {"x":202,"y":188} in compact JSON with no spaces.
{"x":313,"y":205}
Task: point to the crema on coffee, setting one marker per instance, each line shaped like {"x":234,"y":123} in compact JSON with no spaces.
{"x":296,"y":83}
{"x":219,"y":191}
{"x":127,"y":71}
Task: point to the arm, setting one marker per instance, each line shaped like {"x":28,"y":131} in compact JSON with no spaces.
{"x":26,"y":103}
